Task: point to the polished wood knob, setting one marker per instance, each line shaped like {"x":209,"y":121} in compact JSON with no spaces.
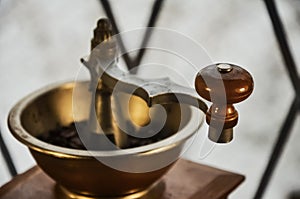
{"x":223,"y":85}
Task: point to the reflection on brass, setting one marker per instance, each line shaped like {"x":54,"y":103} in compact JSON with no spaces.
{"x":223,"y":85}
{"x":103,"y":112}
{"x":139,"y":111}
{"x":154,"y":191}
{"x":77,"y":170}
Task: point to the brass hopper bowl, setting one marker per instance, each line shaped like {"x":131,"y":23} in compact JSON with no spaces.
{"x":77,"y":172}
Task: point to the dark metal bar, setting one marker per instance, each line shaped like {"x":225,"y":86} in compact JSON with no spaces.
{"x":157,"y":6}
{"x":285,"y":130}
{"x":7,"y":157}
{"x":283,"y":44}
{"x":284,"y":134}
{"x":109,"y":13}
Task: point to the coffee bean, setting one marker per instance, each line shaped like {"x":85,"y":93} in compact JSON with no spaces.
{"x":67,"y":136}
{"x":68,"y":133}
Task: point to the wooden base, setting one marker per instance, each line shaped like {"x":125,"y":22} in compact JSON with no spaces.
{"x":186,"y":180}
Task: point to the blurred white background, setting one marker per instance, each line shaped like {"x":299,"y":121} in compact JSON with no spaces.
{"x":41,"y":43}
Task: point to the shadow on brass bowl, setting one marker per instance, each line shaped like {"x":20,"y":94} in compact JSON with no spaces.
{"x":82,"y":173}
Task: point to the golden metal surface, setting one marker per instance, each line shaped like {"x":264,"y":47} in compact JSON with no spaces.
{"x":153,"y":192}
{"x":104,"y":114}
{"x":78,"y":170}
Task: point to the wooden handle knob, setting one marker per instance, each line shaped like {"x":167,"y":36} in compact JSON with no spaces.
{"x":223,"y":85}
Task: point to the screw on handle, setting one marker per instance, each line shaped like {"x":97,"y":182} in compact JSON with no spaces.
{"x":223,"y":85}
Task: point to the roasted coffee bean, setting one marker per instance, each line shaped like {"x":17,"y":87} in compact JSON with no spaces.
{"x":67,"y":136}
{"x":68,"y":133}
{"x":76,"y":143}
